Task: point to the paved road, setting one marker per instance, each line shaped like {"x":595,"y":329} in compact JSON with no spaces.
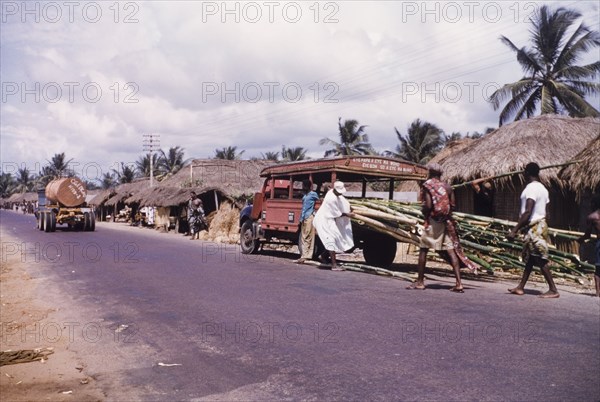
{"x":264,"y":328}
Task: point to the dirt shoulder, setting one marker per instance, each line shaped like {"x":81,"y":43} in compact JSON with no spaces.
{"x":29,"y":322}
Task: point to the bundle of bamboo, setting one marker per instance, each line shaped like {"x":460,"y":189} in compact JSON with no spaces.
{"x":483,"y":239}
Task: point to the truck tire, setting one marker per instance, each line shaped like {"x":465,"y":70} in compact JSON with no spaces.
{"x":92,"y":222}
{"x":41,"y":220}
{"x":86,"y":222}
{"x":248,"y":244}
{"x":380,"y":250}
{"x":49,"y":222}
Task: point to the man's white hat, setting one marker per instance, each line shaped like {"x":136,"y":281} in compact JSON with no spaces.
{"x":339,"y":187}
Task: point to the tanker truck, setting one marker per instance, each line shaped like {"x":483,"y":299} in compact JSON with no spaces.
{"x":63,"y":202}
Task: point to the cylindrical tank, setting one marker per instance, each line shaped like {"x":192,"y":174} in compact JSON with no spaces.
{"x":68,"y":192}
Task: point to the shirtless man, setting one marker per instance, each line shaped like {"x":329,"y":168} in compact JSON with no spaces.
{"x":593,"y":225}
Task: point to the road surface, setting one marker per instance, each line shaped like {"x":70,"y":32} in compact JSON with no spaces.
{"x":225,"y":326}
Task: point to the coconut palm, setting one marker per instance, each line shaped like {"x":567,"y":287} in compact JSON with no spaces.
{"x":7,"y":184}
{"x":58,"y":166}
{"x":422,"y":141}
{"x":229,"y":153}
{"x":270,"y":156}
{"x":552,"y":79}
{"x":143,"y":165}
{"x":172,"y":161}
{"x":293,"y":154}
{"x":24,"y":181}
{"x":125,"y":174}
{"x":353,"y":140}
{"x":108,"y":181}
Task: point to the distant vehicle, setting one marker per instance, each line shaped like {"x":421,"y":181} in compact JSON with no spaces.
{"x":273,"y":217}
{"x":62,"y":202}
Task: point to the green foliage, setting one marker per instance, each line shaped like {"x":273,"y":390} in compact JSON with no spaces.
{"x":552,"y":83}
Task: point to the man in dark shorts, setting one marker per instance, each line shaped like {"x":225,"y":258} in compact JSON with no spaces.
{"x":593,"y":225}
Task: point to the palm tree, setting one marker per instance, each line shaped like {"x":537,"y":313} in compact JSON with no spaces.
{"x":270,"y":156}
{"x":171,"y":162}
{"x":293,"y":154}
{"x":7,"y":184}
{"x":552,"y":79}
{"x":143,"y":165}
{"x":58,"y":166}
{"x":126,"y":174}
{"x":24,"y":181}
{"x":422,"y":142}
{"x":108,"y":181}
{"x":45,"y":176}
{"x":353,"y":140}
{"x":229,"y":153}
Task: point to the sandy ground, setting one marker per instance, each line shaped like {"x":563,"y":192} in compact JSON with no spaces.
{"x":29,"y":322}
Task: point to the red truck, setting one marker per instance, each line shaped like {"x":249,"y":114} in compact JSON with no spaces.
{"x":274,"y":214}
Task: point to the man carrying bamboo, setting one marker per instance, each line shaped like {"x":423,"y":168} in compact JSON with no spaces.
{"x":440,"y":228}
{"x":593,"y":225}
{"x":534,"y":203}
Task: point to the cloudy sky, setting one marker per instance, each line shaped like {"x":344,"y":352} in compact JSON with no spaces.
{"x":91,"y":78}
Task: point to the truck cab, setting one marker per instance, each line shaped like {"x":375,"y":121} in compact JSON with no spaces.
{"x":273,"y":216}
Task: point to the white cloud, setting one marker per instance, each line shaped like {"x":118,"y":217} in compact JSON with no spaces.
{"x":372,"y":59}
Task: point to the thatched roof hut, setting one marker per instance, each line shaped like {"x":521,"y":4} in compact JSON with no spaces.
{"x":584,"y":175}
{"x":123,"y":191}
{"x":23,"y":197}
{"x":545,"y":139}
{"x":230,"y":179}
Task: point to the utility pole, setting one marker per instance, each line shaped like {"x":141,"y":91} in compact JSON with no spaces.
{"x":151,"y":143}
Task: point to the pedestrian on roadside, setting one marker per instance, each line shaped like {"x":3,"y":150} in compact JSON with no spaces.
{"x":593,"y":225}
{"x":439,"y":230}
{"x":532,"y":219}
{"x":333,"y":225}
{"x":190,"y":212}
{"x":307,"y":230}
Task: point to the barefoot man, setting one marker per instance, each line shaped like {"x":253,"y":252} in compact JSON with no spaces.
{"x":440,"y":228}
{"x":534,"y":203}
{"x":593,"y":224}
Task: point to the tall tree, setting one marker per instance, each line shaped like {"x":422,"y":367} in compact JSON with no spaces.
{"x":143,"y":165}
{"x":7,"y":184}
{"x":270,"y":156}
{"x":293,"y":154}
{"x":125,"y":174}
{"x":552,"y":83}
{"x":353,"y":140}
{"x":229,"y":153}
{"x":24,"y":181}
{"x":108,"y":181}
{"x":422,"y":141}
{"x":58,"y":166}
{"x":172,"y":161}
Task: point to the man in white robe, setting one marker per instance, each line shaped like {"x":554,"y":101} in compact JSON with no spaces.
{"x":333,"y":225}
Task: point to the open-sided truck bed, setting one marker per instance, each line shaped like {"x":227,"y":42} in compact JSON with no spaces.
{"x":274,"y":214}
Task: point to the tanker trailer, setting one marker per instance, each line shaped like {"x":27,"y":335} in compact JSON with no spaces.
{"x":63,"y":202}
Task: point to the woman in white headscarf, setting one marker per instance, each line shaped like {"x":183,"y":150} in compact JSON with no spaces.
{"x":332,"y":222}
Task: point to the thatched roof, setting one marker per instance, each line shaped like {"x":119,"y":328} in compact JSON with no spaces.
{"x":546,"y":140}
{"x":23,"y":197}
{"x":102,"y":196}
{"x":585,"y":174}
{"x":451,"y":148}
{"x":235,"y":178}
{"x":123,"y":191}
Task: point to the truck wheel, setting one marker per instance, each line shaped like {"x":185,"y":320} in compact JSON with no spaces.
{"x":92,"y":222}
{"x":86,"y":221}
{"x":380,"y":250}
{"x":248,"y":244}
{"x":41,"y":219}
{"x":49,"y":222}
